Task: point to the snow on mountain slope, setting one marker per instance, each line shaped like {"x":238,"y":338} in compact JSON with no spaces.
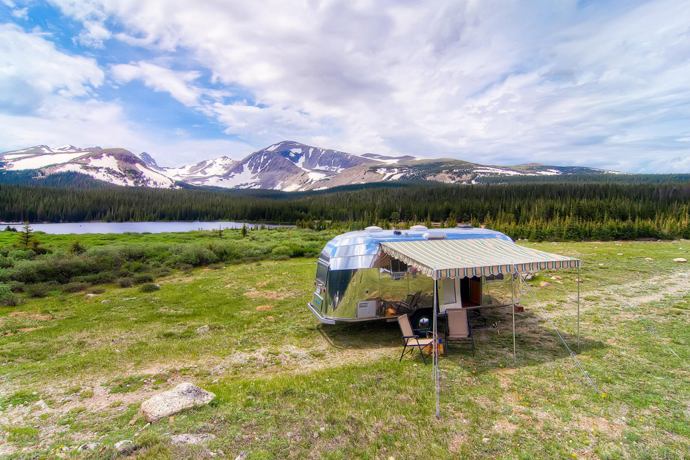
{"x":389,"y":159}
{"x":287,"y":166}
{"x":207,"y":172}
{"x":116,"y":166}
{"x":291,"y":166}
{"x":41,"y":161}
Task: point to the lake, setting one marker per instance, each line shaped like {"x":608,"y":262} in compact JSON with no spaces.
{"x":134,"y":227}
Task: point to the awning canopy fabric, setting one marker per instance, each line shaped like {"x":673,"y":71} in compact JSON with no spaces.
{"x":467,"y":258}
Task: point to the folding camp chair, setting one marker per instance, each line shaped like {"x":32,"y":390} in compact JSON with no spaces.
{"x":410,"y":340}
{"x":409,"y":304}
{"x":458,"y":326}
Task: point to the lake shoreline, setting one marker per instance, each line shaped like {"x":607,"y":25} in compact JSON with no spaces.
{"x":100,"y":227}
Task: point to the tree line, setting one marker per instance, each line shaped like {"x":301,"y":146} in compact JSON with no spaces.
{"x":535,"y":211}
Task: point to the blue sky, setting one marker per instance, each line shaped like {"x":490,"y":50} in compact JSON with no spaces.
{"x":601,"y":84}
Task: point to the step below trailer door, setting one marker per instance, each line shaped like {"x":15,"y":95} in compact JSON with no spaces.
{"x":450,"y":294}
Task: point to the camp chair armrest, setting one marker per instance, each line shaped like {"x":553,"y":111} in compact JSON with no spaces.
{"x":410,"y":336}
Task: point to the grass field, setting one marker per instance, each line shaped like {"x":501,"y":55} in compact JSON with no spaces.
{"x":74,"y":369}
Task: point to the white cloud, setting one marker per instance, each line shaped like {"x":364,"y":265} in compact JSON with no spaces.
{"x":32,"y":69}
{"x":15,"y":10}
{"x":555,"y":82}
{"x":178,"y":84}
{"x":92,"y":122}
{"x":47,"y":97}
{"x":93,"y":34}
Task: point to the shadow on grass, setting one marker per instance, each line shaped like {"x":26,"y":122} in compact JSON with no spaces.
{"x":374,"y":334}
{"x":536,"y":340}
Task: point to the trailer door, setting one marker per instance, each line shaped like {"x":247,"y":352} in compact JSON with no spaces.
{"x":450,"y":294}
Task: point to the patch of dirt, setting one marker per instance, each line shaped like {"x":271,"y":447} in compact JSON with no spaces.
{"x":31,"y":316}
{"x":503,"y":426}
{"x":612,"y":429}
{"x":631,"y":294}
{"x":505,"y":377}
{"x":264,"y":308}
{"x":456,"y":442}
{"x":271,"y":295}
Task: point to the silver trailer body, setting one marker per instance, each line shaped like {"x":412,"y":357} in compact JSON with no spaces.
{"x":352,"y":285}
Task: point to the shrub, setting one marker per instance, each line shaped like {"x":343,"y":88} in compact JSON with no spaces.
{"x":143,"y":278}
{"x":163,"y":271}
{"x":149,"y":287}
{"x":97,"y":278}
{"x":6,"y":262}
{"x":16,"y":286}
{"x":74,"y":286}
{"x":77,"y":248}
{"x":7,"y":297}
{"x":125,"y":282}
{"x":194,"y":255}
{"x":57,"y":268}
{"x":21,"y":254}
{"x":281,"y":252}
{"x":39,"y":289}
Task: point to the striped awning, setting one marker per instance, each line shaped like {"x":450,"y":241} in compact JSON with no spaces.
{"x":467,"y":258}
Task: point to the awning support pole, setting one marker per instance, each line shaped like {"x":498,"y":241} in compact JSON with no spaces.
{"x":436,"y":373}
{"x":578,"y":307}
{"x":512,"y":292}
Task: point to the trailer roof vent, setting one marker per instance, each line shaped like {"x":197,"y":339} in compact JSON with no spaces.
{"x":418,"y":228}
{"x":435,"y":235}
{"x":464,"y":225}
{"x":373,"y":229}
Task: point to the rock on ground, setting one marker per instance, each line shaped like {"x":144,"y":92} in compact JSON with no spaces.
{"x":183,"y":396}
{"x":88,"y":446}
{"x":125,"y":446}
{"x":680,"y":260}
{"x":190,"y":438}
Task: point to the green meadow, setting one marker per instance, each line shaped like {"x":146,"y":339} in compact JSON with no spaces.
{"x":75,"y":366}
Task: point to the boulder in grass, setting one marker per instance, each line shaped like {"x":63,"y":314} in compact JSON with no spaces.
{"x":680,"y":260}
{"x":125,"y":447}
{"x":183,"y":396}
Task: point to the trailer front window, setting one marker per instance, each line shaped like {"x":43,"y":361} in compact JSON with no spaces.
{"x":321,"y":272}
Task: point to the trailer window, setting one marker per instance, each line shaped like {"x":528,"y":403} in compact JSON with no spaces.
{"x":321,"y":272}
{"x":338,"y":282}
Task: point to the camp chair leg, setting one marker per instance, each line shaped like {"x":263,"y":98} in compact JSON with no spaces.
{"x":403,"y":352}
{"x":421,"y":352}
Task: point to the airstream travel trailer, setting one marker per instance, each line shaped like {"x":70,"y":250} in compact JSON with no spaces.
{"x":355,"y":282}
{"x":380,"y":274}
{"x":376,"y":274}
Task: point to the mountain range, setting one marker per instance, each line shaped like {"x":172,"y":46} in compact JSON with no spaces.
{"x":287,"y":166}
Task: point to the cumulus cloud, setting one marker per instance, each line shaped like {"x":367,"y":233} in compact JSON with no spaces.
{"x":32,"y":70}
{"x":49,"y":97}
{"x":571,"y":82}
{"x":178,"y":84}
